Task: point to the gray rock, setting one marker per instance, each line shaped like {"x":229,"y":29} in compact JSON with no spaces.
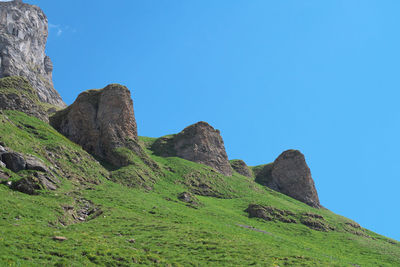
{"x":14,"y":161}
{"x":26,"y":185}
{"x":102,"y":121}
{"x":21,"y":97}
{"x":2,"y":150}
{"x":199,"y":143}
{"x":241,"y":167}
{"x":47,"y":181}
{"x":33,"y":163}
{"x":2,"y":164}
{"x":290,"y":175}
{"x":23,"y":36}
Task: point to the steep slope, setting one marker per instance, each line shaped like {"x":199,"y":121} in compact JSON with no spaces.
{"x":104,"y":223}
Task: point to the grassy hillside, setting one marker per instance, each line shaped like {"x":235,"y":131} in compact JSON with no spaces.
{"x":144,"y":222}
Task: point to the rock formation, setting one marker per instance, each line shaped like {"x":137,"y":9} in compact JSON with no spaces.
{"x":101,"y":121}
{"x":17,"y":94}
{"x":23,"y":36}
{"x":200,"y":143}
{"x":241,"y":167}
{"x":290,"y":175}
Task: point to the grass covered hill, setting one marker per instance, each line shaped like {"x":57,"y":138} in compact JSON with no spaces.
{"x":185,"y":214}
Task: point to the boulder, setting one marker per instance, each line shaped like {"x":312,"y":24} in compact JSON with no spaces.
{"x":241,"y":167}
{"x":199,"y":143}
{"x":101,"y":121}
{"x":290,"y":175}
{"x":26,"y":185}
{"x":14,"y":161}
{"x":23,"y":37}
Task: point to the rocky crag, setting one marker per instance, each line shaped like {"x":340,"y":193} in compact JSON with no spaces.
{"x":102,"y":122}
{"x":199,"y":143}
{"x":290,"y":175}
{"x":23,"y":36}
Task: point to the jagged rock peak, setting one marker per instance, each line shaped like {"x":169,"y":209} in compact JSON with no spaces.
{"x":199,"y":143}
{"x":100,"y":121}
{"x":23,"y":37}
{"x":290,"y":175}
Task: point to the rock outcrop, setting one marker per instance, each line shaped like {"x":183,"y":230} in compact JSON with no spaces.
{"x":290,"y":175}
{"x":199,"y":143}
{"x":102,"y":122}
{"x":23,"y":36}
{"x":241,"y":167}
{"x":17,"y":94}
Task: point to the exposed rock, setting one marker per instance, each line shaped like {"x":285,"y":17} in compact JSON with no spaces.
{"x":33,"y":163}
{"x":26,"y":185}
{"x":270,"y":213}
{"x":199,"y":143}
{"x":17,"y":162}
{"x":47,"y":180}
{"x":241,"y":167}
{"x":59,"y":238}
{"x":188,"y":198}
{"x":4,"y":175}
{"x":23,"y":36}
{"x":2,"y":164}
{"x":2,"y":150}
{"x":102,"y":121}
{"x":17,"y":94}
{"x":14,"y":161}
{"x":290,"y":175}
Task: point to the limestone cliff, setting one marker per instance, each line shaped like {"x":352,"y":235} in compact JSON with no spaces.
{"x":23,"y":37}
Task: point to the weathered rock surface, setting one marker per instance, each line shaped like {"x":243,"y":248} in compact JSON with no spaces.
{"x":290,"y":175}
{"x":241,"y":167}
{"x":17,"y":162}
{"x":14,"y":161}
{"x":23,"y":37}
{"x":199,"y":143}
{"x":17,"y":94}
{"x":101,"y":121}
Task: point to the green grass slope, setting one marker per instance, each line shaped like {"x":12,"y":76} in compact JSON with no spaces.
{"x":137,"y":224}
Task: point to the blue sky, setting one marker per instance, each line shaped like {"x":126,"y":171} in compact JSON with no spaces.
{"x":318,"y":76}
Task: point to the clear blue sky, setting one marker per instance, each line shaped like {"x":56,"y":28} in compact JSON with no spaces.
{"x":319,"y":76}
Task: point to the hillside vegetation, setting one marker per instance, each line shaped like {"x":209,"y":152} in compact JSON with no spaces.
{"x":107,"y":221}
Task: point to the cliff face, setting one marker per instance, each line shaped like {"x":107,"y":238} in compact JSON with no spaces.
{"x":23,"y":36}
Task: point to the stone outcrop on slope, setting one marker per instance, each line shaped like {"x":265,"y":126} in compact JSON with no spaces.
{"x":101,"y":121}
{"x":23,"y":36}
{"x":199,"y":143}
{"x":290,"y":175}
{"x":17,"y":94}
{"x":241,"y":167}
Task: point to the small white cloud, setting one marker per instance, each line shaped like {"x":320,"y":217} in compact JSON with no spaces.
{"x":59,"y":29}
